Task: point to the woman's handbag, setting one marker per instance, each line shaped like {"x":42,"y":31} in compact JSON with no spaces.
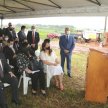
{"x":35,"y":65}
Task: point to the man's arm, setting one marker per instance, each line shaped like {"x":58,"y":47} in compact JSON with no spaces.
{"x":73,"y":45}
{"x":28,"y":37}
{"x":60,"y":44}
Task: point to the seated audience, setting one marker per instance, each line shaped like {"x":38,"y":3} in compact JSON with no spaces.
{"x":5,"y":39}
{"x":1,"y":44}
{"x":9,"y":53}
{"x":49,"y":57}
{"x":24,"y":59}
{"x":21,"y":34}
{"x":24,"y":40}
{"x":6,"y":76}
{"x":46,"y":40}
{"x":16,"y":45}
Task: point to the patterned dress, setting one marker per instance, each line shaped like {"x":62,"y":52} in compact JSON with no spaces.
{"x":23,"y":62}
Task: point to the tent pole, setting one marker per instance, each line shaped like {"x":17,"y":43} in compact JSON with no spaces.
{"x":104,"y":42}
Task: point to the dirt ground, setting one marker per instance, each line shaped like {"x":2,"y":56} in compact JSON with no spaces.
{"x":84,"y":48}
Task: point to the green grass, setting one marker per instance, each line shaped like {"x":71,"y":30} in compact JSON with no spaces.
{"x":71,"y":97}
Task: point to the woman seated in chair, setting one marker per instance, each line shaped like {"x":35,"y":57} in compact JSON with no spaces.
{"x":24,"y":59}
{"x":49,"y":58}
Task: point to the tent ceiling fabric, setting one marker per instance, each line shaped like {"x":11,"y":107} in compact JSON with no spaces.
{"x":49,"y":8}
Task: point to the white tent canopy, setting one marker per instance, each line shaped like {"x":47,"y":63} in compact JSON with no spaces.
{"x":48,"y":8}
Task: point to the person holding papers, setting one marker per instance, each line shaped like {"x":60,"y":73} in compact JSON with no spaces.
{"x":24,"y":59}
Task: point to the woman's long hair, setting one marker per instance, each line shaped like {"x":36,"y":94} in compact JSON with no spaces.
{"x":43,"y":46}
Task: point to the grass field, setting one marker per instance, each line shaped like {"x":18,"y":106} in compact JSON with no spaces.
{"x":71,"y":97}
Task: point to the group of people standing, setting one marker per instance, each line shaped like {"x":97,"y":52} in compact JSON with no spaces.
{"x":21,"y":52}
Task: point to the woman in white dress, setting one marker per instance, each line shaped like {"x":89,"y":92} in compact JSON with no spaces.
{"x":49,"y":58}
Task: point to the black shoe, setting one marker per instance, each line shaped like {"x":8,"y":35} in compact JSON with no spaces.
{"x":17,"y":102}
{"x":44,"y":94}
{"x":69,"y":75}
{"x":4,"y":106}
{"x":34,"y":94}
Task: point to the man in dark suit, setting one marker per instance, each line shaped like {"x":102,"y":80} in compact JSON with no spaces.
{"x":21,"y":34}
{"x":1,"y":32}
{"x":1,"y":44}
{"x":10,"y":32}
{"x":6,"y":76}
{"x":33,"y":38}
{"x":10,"y":54}
{"x":67,"y":44}
{"x":16,"y":45}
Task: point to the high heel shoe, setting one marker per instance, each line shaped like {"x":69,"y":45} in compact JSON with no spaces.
{"x":44,"y":94}
{"x":61,"y":88}
{"x":34,"y":93}
{"x":58,"y":86}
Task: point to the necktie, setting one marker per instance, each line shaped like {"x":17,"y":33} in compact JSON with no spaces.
{"x":33,"y":38}
{"x":67,"y":37}
{"x":1,"y":72}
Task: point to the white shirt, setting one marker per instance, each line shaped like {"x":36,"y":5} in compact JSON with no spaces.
{"x":1,"y":65}
{"x":68,"y":36}
{"x":11,"y":33}
{"x":45,"y":56}
{"x":13,"y":49}
{"x":1,"y":44}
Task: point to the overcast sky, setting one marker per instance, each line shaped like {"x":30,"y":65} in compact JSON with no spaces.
{"x":79,"y":22}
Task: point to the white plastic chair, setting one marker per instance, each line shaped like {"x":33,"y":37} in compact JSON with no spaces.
{"x":6,"y":84}
{"x":46,"y":71}
{"x":25,"y":82}
{"x":37,"y":53}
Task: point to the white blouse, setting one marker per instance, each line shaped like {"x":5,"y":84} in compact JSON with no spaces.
{"x":50,"y":58}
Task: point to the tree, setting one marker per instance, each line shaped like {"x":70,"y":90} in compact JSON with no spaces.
{"x":72,"y":30}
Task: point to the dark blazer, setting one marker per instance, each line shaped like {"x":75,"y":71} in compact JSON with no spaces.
{"x":6,"y":67}
{"x":21,"y":36}
{"x":8,"y":52}
{"x":66,"y":45}
{"x":15,"y":48}
{"x":11,"y":36}
{"x":1,"y":32}
{"x":30,"y":39}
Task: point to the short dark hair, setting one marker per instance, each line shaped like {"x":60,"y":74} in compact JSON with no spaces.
{"x":9,"y":23}
{"x":47,"y":40}
{"x":23,"y":27}
{"x":24,"y":39}
{"x":9,"y":40}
